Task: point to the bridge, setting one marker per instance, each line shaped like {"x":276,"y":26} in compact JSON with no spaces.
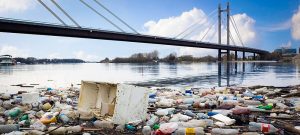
{"x":28,"y":27}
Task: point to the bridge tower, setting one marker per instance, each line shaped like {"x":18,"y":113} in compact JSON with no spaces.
{"x":227,"y":10}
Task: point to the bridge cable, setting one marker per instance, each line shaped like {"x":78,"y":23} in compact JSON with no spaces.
{"x":236,"y":30}
{"x":57,"y":17}
{"x":116,"y":16}
{"x":187,"y":34}
{"x":230,"y":35}
{"x":237,"y":33}
{"x":231,"y":38}
{"x":208,"y":30}
{"x":101,"y":15}
{"x":62,"y":10}
{"x":194,"y":24}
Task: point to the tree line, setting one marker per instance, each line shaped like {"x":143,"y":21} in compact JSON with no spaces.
{"x":32,"y":60}
{"x":154,"y":57}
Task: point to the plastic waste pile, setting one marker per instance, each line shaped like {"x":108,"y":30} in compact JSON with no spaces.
{"x":196,"y":111}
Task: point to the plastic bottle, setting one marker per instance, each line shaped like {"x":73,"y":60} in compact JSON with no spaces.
{"x":224,"y":112}
{"x":14,"y":112}
{"x":130,"y":127}
{"x":193,"y":124}
{"x":9,"y":128}
{"x":220,"y":131}
{"x":103,"y":124}
{"x":74,"y":129}
{"x":190,"y":131}
{"x":162,"y":112}
{"x":202,"y":116}
{"x":64,"y":118}
{"x":297,"y":108}
{"x":230,"y":102}
{"x":152,"y":100}
{"x":46,"y":106}
{"x":183,"y":117}
{"x":240,"y":110}
{"x":212,"y":113}
{"x":58,"y":131}
{"x":156,"y":126}
{"x":220,"y":124}
{"x":120,"y":128}
{"x":188,"y":100}
{"x":189,"y":113}
{"x":168,"y":128}
{"x":35,"y":132}
{"x":262,"y":127}
{"x":209,"y":122}
{"x":258,"y":97}
{"x":7,"y":104}
{"x":49,"y":117}
{"x":281,"y":106}
{"x":152,"y":120}
{"x":38,"y":125}
{"x":266,"y":107}
{"x":152,"y":95}
{"x":146,"y":130}
{"x":24,"y":117}
{"x":252,"y":102}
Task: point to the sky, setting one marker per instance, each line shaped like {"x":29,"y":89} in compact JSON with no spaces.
{"x":263,"y":24}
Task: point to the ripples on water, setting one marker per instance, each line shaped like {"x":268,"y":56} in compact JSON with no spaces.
{"x":159,"y":74}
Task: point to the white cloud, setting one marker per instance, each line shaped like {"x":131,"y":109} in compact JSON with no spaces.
{"x":8,"y":6}
{"x":172,"y":26}
{"x":296,"y":25}
{"x":278,"y":27}
{"x":14,"y":51}
{"x":286,"y":45}
{"x":87,"y":57}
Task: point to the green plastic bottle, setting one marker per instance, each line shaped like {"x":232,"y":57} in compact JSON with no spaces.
{"x":14,"y":112}
{"x":24,"y":117}
{"x":155,"y":126}
{"x":266,"y":107}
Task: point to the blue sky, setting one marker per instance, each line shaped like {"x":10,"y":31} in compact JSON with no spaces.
{"x":265,"y":24}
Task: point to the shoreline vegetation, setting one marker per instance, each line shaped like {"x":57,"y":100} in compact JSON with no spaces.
{"x":32,"y":60}
{"x":150,"y":57}
{"x":173,"y":58}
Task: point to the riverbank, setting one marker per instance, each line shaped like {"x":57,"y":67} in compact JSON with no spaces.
{"x":216,"y":110}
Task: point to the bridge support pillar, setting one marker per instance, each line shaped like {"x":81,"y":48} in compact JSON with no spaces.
{"x":228,"y":55}
{"x":254,"y":56}
{"x":219,"y":55}
{"x":244,"y":57}
{"x":235,"y":55}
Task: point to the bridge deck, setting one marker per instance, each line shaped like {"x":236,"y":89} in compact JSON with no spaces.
{"x":15,"y":26}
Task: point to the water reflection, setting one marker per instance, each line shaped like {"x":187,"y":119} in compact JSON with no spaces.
{"x":6,"y":70}
{"x":157,"y":74}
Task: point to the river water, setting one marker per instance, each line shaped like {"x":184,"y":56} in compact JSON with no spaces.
{"x":160,"y":74}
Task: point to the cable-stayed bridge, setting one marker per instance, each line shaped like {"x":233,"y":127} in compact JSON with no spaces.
{"x":30,"y":27}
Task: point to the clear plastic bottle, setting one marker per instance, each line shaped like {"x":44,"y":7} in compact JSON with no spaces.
{"x":168,"y":128}
{"x":189,"y":113}
{"x":146,"y":130}
{"x":220,"y":131}
{"x":152,"y":120}
{"x":103,"y":124}
{"x":262,"y":127}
